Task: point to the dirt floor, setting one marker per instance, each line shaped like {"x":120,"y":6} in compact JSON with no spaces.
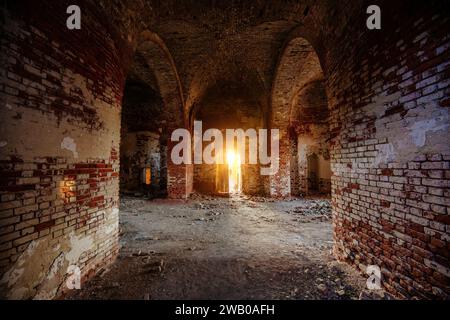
{"x":225,"y":248}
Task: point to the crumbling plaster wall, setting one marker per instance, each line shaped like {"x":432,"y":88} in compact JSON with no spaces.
{"x":60,"y":131}
{"x":388,"y":96}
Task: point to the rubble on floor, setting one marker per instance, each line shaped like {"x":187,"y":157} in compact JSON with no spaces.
{"x":225,"y":248}
{"x":313,"y":210}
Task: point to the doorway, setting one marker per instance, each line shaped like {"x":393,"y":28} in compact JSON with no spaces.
{"x":234,"y":172}
{"x":313,"y":173}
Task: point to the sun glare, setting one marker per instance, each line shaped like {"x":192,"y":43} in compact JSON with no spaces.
{"x":234,"y":171}
{"x":231,"y":157}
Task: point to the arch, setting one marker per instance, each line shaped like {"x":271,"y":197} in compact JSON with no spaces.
{"x":309,"y":104}
{"x":228,"y":70}
{"x":151,"y":50}
{"x":231,"y":104}
{"x":238,"y":78}
{"x":241,"y":63}
{"x":297,"y":67}
{"x":159,"y":59}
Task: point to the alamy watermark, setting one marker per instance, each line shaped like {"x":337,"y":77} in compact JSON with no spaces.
{"x":218,"y":148}
{"x":373,"y":22}
{"x":73,"y":22}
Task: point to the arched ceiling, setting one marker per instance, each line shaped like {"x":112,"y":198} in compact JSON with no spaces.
{"x":142,"y":107}
{"x":204,"y":43}
{"x":206,"y":58}
{"x":236,"y":81}
{"x":298,"y":67}
{"x":310,"y":104}
{"x":154,"y":63}
{"x":229,"y":105}
{"x":141,"y":72}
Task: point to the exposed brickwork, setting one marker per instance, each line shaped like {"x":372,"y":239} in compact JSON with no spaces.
{"x":387,"y":94}
{"x":390,"y":154}
{"x":179,"y":181}
{"x":49,"y":199}
{"x":298,"y":67}
{"x":59,"y":167}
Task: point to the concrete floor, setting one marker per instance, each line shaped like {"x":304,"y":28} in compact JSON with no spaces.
{"x":225,"y":248}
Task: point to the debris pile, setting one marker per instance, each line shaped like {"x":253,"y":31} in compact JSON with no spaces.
{"x":258,"y":198}
{"x":313,"y":210}
{"x":198,"y":197}
{"x":205,"y":206}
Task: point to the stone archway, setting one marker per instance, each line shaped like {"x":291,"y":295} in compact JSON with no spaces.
{"x":298,"y":66}
{"x":158,"y":59}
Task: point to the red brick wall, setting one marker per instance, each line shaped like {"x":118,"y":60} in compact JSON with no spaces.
{"x":388,"y":95}
{"x":61,"y":93}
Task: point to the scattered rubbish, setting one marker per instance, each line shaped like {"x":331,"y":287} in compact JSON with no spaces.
{"x":340,"y":292}
{"x":296,"y":269}
{"x":154,"y":267}
{"x":322,"y":287}
{"x":367,"y":294}
{"x":140,"y":254}
{"x":214,"y":213}
{"x":312,"y":210}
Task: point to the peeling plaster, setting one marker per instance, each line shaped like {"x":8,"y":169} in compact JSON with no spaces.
{"x":408,"y":135}
{"x":56,"y":265}
{"x":421,"y":128}
{"x":11,"y":276}
{"x":110,"y":228}
{"x":386,"y":154}
{"x":90,"y":144}
{"x":80,"y":82}
{"x":40,"y":270}
{"x":78,"y":246}
{"x":69,"y":144}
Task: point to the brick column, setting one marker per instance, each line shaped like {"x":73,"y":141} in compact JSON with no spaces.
{"x":179,"y":177}
{"x":280,"y":183}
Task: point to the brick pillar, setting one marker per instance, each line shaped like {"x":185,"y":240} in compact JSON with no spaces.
{"x":295,"y":190}
{"x":179,"y":177}
{"x":280,"y":183}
